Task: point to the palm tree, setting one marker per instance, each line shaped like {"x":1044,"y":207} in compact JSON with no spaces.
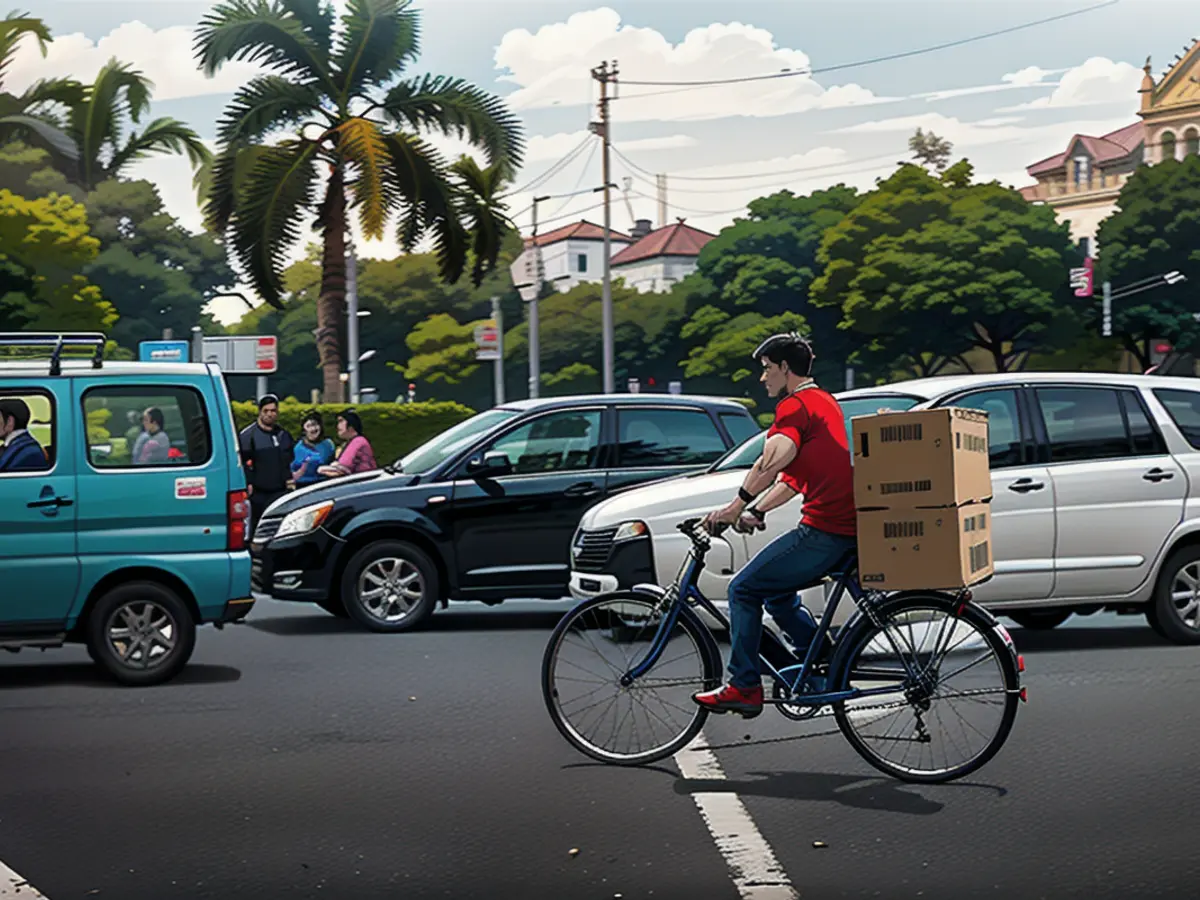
{"x":95,"y":125}
{"x":354,"y":122}
{"x":26,"y":116}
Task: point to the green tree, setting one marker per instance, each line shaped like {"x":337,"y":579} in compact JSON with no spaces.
{"x":928,"y":268}
{"x":26,"y":116}
{"x":44,"y":247}
{"x":357,"y":124}
{"x":1156,"y":230}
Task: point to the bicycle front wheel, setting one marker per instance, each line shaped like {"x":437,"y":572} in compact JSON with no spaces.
{"x":593,"y":647}
{"x":954,"y":688}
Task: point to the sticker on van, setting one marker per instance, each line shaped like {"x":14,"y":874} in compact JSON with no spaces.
{"x":191,"y":488}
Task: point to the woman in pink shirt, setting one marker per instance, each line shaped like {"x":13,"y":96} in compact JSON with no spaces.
{"x":357,"y":455}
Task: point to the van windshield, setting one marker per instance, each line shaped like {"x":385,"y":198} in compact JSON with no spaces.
{"x":744,"y":455}
{"x":440,"y":448}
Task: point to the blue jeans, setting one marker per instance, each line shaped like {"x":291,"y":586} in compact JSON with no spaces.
{"x":770,"y":579}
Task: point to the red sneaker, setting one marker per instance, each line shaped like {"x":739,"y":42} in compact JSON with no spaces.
{"x":729,"y":698}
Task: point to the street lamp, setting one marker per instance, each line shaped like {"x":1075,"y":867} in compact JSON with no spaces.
{"x":366,"y":355}
{"x":1145,"y":284}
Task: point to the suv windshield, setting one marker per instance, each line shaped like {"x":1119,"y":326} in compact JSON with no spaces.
{"x":437,"y":449}
{"x":744,"y":455}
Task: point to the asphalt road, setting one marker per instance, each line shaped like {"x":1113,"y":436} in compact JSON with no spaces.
{"x":300,"y":758}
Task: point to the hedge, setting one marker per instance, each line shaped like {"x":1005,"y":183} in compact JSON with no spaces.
{"x":393,"y":428}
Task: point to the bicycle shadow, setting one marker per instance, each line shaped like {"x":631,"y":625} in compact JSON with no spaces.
{"x":853,"y":791}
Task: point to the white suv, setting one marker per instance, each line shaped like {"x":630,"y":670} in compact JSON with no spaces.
{"x":1092,"y":501}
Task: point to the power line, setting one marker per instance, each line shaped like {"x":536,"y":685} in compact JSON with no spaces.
{"x":583,"y":174}
{"x":554,"y":169}
{"x":793,"y":73}
{"x":825,"y":167}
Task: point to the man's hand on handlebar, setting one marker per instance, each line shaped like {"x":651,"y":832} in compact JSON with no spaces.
{"x":720,"y":519}
{"x":748,"y":524}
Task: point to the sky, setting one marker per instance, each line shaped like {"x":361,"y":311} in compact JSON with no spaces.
{"x":1004,"y":102}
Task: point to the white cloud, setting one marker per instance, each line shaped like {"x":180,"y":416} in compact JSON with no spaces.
{"x":1097,"y":81}
{"x":164,"y":56}
{"x":552,"y":67}
{"x":1031,"y":77}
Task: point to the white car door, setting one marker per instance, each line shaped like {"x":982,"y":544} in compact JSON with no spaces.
{"x":1119,"y":494}
{"x":1022,"y":501}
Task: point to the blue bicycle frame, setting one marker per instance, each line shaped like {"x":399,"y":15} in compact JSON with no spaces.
{"x":793,"y":676}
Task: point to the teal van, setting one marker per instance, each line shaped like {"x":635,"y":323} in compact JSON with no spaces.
{"x":130,"y":527}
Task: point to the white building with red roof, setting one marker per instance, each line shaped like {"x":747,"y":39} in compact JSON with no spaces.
{"x":661,"y":258}
{"x":570,"y":255}
{"x":1083,"y":182}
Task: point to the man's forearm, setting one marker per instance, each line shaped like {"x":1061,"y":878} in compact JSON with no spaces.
{"x":776,"y":497}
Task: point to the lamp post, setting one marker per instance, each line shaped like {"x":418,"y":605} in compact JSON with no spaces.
{"x":1146,"y":284}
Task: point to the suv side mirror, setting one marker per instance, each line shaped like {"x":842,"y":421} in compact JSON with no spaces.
{"x":492,"y":464}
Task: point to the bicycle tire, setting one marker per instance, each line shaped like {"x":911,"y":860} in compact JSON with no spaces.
{"x":987,"y":626}
{"x":710,"y":656}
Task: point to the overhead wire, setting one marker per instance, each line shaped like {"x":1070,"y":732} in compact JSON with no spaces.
{"x":554,"y":169}
{"x":582,"y":174}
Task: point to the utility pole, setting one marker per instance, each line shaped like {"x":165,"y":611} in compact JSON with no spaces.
{"x":661,"y":183}
{"x":352,"y":319}
{"x":499,"y":361}
{"x":1106,"y":329}
{"x":535,"y":349}
{"x":604,"y":74}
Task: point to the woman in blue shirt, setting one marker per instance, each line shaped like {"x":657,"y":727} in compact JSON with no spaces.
{"x":313,"y":450}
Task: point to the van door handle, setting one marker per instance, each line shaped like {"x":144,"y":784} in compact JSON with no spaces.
{"x":1156,"y":474}
{"x":1025,"y":485}
{"x":50,"y":501}
{"x":583,"y":489}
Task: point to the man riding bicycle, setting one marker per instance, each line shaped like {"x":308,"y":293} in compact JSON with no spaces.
{"x":806,"y":451}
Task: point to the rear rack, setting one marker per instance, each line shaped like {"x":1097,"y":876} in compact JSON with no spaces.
{"x":55,"y":344}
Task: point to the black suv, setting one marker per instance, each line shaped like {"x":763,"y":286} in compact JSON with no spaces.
{"x":484,"y":511}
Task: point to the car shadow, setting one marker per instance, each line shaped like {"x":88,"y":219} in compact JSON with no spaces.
{"x":1070,"y":639}
{"x":89,"y":675}
{"x":854,"y":791}
{"x":441,"y":621}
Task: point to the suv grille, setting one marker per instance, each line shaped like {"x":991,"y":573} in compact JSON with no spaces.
{"x":591,"y":549}
{"x":267,"y":529}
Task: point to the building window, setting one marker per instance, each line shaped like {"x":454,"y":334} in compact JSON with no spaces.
{"x":1192,"y":142}
{"x":1083,"y":177}
{"x":1086,"y":246}
{"x":1167,"y":141}
{"x":582,"y":262}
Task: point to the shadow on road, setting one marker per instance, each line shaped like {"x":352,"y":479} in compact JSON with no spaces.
{"x":881,"y":794}
{"x":1065,"y":639}
{"x":88,"y":675}
{"x":489,"y":620}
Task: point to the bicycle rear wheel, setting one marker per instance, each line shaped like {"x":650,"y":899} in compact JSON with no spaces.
{"x":958,"y":710}
{"x":597,"y":643}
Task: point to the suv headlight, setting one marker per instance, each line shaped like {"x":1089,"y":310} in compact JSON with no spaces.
{"x":305,"y":519}
{"x":627,"y":531}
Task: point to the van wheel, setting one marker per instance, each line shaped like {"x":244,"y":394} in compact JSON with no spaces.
{"x":141,"y":633}
{"x":1039,"y":619}
{"x":1175,"y":611}
{"x":390,"y":586}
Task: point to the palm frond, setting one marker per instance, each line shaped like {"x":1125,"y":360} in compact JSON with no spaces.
{"x":457,"y":108}
{"x":163,"y":135}
{"x":117,"y":90}
{"x":64,"y":91}
{"x":380,"y":37}
{"x":426,"y":191}
{"x":265,"y":104}
{"x":13,"y":28}
{"x":268,"y":216}
{"x":261,"y":32}
{"x":482,"y":212}
{"x":316,"y":18}
{"x":39,"y":133}
{"x":217,"y":184}
{"x":362,"y":144}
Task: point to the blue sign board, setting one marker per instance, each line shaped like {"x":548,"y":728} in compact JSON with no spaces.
{"x":164,"y":351}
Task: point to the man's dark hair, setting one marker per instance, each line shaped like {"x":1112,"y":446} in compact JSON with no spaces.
{"x":156,"y":416}
{"x":352,"y":419}
{"x":787,"y":348}
{"x":16,"y":409}
{"x":267,"y":400}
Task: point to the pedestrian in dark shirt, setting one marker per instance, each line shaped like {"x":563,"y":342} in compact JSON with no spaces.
{"x":267,"y":455}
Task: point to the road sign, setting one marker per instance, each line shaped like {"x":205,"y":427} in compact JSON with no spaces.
{"x":487,"y":340}
{"x":243,"y":354}
{"x":163,"y":351}
{"x":1082,"y":279}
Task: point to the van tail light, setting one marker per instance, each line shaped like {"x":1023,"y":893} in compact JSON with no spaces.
{"x":238,"y":524}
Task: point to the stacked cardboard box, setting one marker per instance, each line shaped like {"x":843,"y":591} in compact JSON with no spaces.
{"x":923,"y":492}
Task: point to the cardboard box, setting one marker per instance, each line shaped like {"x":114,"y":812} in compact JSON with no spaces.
{"x":924,"y":458}
{"x":936,"y":549}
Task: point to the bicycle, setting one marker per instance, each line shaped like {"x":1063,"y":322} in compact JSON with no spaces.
{"x":850,"y":659}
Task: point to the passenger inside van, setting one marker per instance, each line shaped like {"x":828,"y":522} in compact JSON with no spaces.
{"x":20,"y":451}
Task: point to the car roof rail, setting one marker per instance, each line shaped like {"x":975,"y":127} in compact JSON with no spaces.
{"x":55,"y":343}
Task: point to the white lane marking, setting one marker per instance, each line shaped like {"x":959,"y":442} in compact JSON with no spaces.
{"x":756,"y":872}
{"x":14,"y":887}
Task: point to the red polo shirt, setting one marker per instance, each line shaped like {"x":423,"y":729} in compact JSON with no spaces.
{"x":821,"y":469}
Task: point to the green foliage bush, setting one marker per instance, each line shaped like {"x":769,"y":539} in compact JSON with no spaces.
{"x":392,"y":428}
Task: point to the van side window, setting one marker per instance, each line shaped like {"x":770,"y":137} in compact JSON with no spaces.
{"x":27,"y":431}
{"x":146,"y":427}
{"x":1184,"y":409}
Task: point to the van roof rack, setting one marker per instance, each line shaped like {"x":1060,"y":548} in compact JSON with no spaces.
{"x":56,"y":343}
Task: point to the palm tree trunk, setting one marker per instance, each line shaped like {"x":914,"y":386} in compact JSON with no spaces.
{"x":332,"y":301}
